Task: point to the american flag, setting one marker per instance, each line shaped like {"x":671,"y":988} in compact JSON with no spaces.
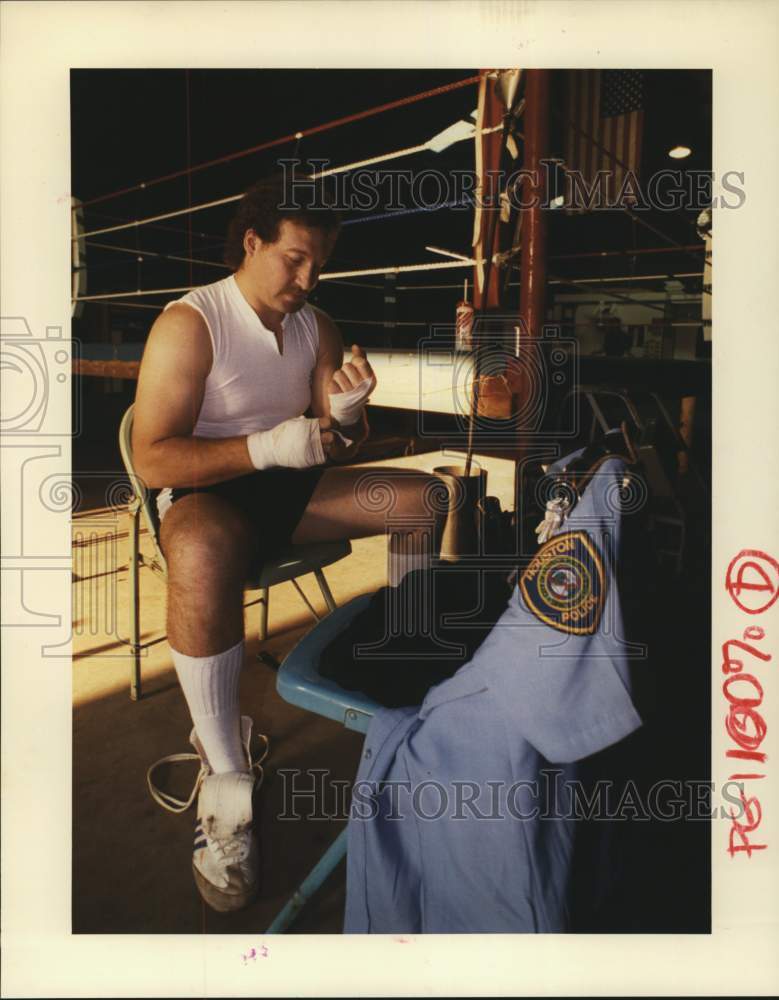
{"x":606,"y":108}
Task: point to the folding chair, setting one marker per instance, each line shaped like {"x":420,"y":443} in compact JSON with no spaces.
{"x":299,"y":683}
{"x":294,"y":561}
{"x":658,"y":443}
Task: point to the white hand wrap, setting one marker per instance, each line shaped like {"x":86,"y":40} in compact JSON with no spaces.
{"x":295,"y":443}
{"x":347,"y":407}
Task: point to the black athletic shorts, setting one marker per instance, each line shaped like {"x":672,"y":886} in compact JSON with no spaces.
{"x":273,"y":500}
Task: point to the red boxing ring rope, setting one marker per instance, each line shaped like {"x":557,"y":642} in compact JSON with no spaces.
{"x":314,"y":130}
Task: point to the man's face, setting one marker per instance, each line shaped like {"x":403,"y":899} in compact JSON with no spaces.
{"x":284,"y":273}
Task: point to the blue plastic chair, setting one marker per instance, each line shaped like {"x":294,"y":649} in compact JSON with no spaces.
{"x":299,"y":683}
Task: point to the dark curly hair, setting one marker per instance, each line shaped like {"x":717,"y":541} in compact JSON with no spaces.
{"x":271,"y":200}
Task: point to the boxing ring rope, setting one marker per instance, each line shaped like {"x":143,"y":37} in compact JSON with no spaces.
{"x":216,"y":203}
{"x":458,"y":287}
{"x":330,"y":276}
{"x":152,"y":253}
{"x":139,"y":253}
{"x":341,"y":169}
{"x":567,"y":123}
{"x":109,"y":216}
{"x":136,"y":305}
{"x":462,"y":261}
{"x":692,"y":248}
{"x":560,"y":281}
{"x":399,"y":269}
{"x":378,"y":217}
{"x":292,"y":137}
{"x":666,"y":275}
{"x":385,"y":270}
{"x":401,"y":212}
{"x":673,"y":244}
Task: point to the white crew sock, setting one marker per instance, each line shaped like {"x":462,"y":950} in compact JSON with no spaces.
{"x":210,"y":685}
{"x":406,"y":553}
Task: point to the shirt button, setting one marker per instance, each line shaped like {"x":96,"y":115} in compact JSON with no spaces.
{"x":368,"y":754}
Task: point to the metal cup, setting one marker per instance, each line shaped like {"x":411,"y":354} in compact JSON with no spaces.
{"x":462,"y":530}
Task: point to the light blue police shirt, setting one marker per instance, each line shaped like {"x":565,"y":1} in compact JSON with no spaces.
{"x":456,"y":839}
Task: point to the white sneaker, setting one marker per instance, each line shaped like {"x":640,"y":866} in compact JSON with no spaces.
{"x":225,"y":862}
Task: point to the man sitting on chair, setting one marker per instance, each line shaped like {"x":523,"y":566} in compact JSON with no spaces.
{"x":243,"y":403}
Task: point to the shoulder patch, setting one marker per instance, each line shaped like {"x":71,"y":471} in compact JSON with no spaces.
{"x":565,"y":584}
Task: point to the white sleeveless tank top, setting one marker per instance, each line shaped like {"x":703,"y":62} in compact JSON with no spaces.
{"x":251,"y":386}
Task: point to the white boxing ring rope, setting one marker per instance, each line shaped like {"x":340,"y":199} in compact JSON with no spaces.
{"x":330,"y":276}
{"x":396,"y":154}
{"x":458,"y":132}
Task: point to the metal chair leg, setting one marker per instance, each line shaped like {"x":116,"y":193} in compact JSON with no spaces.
{"x":305,"y":600}
{"x":135,"y":605}
{"x":326,"y":592}
{"x":264,"y":600}
{"x":335,"y":852}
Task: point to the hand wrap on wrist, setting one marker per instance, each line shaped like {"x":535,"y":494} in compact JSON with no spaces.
{"x":347,"y":407}
{"x":295,"y":444}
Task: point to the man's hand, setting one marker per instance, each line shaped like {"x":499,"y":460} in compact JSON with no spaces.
{"x":348,"y":391}
{"x":352,"y":373}
{"x":333,"y":443}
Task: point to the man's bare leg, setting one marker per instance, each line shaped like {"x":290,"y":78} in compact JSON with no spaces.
{"x":207,"y":546}
{"x":357,"y":503}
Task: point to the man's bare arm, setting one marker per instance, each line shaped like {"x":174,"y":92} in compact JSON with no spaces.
{"x":331,"y":360}
{"x":171,"y":384}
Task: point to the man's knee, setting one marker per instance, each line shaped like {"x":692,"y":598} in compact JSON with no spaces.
{"x":202,"y":534}
{"x":423,"y":499}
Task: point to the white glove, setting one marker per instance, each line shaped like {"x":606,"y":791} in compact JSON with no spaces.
{"x":554,"y":517}
{"x":295,"y":443}
{"x":347,"y":407}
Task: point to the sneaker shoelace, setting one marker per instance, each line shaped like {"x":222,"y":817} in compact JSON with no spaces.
{"x":233,"y":849}
{"x":176,"y":805}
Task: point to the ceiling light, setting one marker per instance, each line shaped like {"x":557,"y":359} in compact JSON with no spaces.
{"x":679,"y":152}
